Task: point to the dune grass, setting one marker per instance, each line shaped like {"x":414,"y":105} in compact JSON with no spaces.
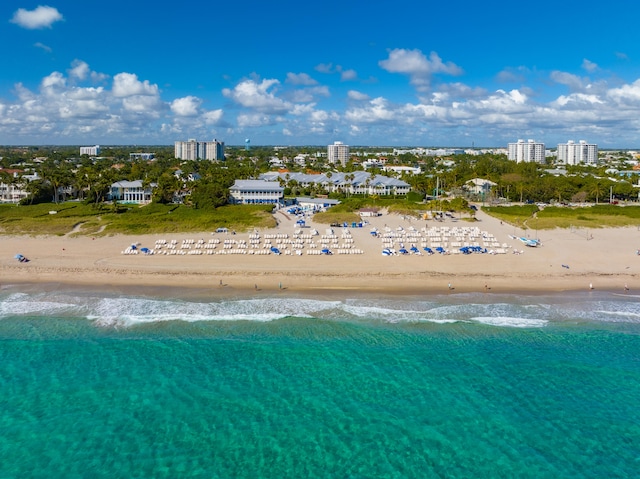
{"x":129,"y":219}
{"x":597,"y":216}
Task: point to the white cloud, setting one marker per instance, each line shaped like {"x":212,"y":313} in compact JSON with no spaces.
{"x":419,"y":68}
{"x":55,"y":80}
{"x":375,"y":111}
{"x":79,"y":69}
{"x":254,"y":95}
{"x":357,"y":96}
{"x":572,"y":81}
{"x":145,"y":104}
{"x":127,"y":84}
{"x":461,"y":90}
{"x":345,"y":74}
{"x":41,"y":17}
{"x":348,"y":75}
{"x":576,"y":99}
{"x":82,"y":109}
{"x":42,"y":46}
{"x":626,"y":94}
{"x":213,"y":117}
{"x":305,"y":95}
{"x":300,"y":79}
{"x":589,"y":66}
{"x":324,"y":68}
{"x":186,"y":106}
{"x":253,"y":120}
{"x":513,"y":75}
{"x":85,"y":93}
{"x":71,"y":108}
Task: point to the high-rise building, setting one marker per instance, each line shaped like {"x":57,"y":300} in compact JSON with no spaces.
{"x":528,"y":151}
{"x":199,"y":150}
{"x":338,"y":153}
{"x":572,"y":153}
{"x":90,"y":150}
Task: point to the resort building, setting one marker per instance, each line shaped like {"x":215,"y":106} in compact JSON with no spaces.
{"x":199,"y":150}
{"x":246,"y":192}
{"x":529,"y":151}
{"x":338,"y":153}
{"x":571,"y":153}
{"x":131,"y":192}
{"x":90,"y":150}
{"x":357,"y":182}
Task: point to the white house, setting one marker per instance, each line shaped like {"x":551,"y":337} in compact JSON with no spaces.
{"x":256,"y":192}
{"x":479,"y":186}
{"x":14,"y":192}
{"x":131,"y":192}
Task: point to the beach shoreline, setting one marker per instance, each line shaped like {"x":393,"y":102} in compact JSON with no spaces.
{"x":567,"y":260}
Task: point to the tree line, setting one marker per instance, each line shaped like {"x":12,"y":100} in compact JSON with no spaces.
{"x":205,"y":184}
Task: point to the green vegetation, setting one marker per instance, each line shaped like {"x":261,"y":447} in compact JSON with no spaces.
{"x":193,"y":195}
{"x":154,"y":218}
{"x":514,"y":215}
{"x":333,"y":217}
{"x":597,"y":216}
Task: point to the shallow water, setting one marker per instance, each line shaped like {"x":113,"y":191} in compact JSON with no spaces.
{"x":106,"y":385}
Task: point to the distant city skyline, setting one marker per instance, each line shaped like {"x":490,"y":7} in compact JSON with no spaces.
{"x":283,"y":73}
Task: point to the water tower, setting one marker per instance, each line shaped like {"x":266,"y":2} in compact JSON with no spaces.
{"x":247,"y":144}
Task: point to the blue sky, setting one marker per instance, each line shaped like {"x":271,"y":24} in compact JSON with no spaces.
{"x":284,"y":72}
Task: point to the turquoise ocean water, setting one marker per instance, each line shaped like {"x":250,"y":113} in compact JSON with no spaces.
{"x":282,"y":386}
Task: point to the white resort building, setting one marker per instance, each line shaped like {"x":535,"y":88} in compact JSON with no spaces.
{"x":357,"y":182}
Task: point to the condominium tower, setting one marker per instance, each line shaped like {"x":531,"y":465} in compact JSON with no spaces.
{"x":529,"y":151}
{"x":571,"y":153}
{"x":199,"y":150}
{"x":90,"y":150}
{"x":338,"y":153}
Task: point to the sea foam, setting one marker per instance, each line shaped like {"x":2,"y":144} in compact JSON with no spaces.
{"x":492,"y":310}
{"x":511,"y":322}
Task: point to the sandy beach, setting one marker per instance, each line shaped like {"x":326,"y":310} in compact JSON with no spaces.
{"x":566,"y":259}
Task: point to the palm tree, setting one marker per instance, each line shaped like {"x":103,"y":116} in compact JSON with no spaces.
{"x":596,"y":190}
